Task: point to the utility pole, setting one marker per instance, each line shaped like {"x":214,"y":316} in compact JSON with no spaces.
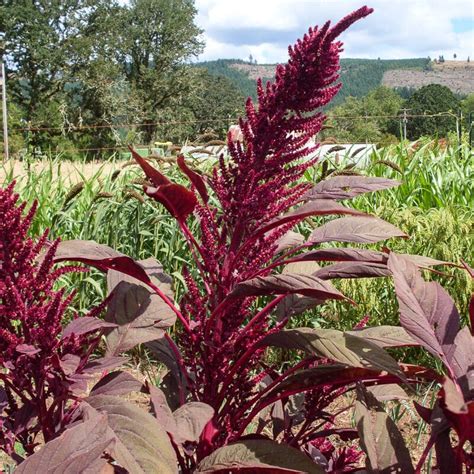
{"x":3,"y":84}
{"x":405,"y":121}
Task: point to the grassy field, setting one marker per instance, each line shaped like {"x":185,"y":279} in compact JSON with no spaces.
{"x":103,"y":201}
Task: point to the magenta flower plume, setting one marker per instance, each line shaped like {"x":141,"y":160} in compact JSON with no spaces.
{"x":256,"y":186}
{"x":38,"y":365}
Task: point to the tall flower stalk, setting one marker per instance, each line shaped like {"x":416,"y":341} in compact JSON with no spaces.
{"x":44,"y":365}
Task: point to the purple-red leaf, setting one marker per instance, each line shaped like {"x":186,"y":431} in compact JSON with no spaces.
{"x":195,"y":178}
{"x":379,"y":436}
{"x":343,"y":255}
{"x":346,"y":187}
{"x":288,"y":283}
{"x":427,"y":312}
{"x":76,"y":450}
{"x":355,"y":229}
{"x":117,"y":383}
{"x":179,"y":201}
{"x":290,"y":239}
{"x":84,"y":325}
{"x":161,"y":410}
{"x":104,"y":364}
{"x":458,"y":411}
{"x":352,"y":270}
{"x":340,"y":347}
{"x":69,"y":363}
{"x":334,"y":376}
{"x":385,"y":336}
{"x":258,"y":456}
{"x":100,"y":256}
{"x":141,"y":444}
{"x":141,"y":315}
{"x":191,"y":419}
{"x":322,"y":207}
{"x":27,"y":349}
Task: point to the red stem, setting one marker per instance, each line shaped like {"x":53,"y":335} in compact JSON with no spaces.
{"x":180,"y":361}
{"x":175,"y":310}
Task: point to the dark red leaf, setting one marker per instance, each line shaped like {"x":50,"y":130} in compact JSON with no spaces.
{"x":69,"y":363}
{"x":104,"y":364}
{"x":92,"y":253}
{"x":152,"y":174}
{"x":161,"y":410}
{"x":141,"y":444}
{"x":352,"y":270}
{"x":27,"y":349}
{"x":24,"y":417}
{"x":379,"y":436}
{"x":385,"y":336}
{"x":191,"y":419}
{"x":290,"y":239}
{"x":179,"y":201}
{"x":343,"y":255}
{"x":76,"y":450}
{"x":458,"y":411}
{"x":340,"y":347}
{"x":322,"y":207}
{"x":117,"y":383}
{"x":195,"y":178}
{"x":288,"y":283}
{"x":427,"y":312}
{"x":257,"y":456}
{"x":140,"y":314}
{"x":84,"y":325}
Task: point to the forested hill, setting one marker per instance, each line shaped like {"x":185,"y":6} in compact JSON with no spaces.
{"x":359,"y":76}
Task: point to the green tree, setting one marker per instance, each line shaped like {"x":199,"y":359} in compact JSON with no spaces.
{"x":155,"y":41}
{"x":45,"y":43}
{"x":216,"y":103}
{"x":369,"y":118}
{"x":431,"y":100}
{"x":467,"y":107}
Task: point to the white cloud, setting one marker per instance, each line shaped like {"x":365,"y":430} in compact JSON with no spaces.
{"x":397,"y":28}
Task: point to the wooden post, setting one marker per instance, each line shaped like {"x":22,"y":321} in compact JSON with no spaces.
{"x":3,"y":83}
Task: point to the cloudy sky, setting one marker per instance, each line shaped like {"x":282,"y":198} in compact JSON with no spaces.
{"x":397,"y":28}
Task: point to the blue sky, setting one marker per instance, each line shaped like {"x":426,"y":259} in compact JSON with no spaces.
{"x":397,"y":28}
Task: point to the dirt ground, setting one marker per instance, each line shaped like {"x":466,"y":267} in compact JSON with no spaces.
{"x":71,"y":171}
{"x":457,"y":75}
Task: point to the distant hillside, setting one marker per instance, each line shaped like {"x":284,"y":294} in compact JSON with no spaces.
{"x":360,"y":76}
{"x":457,"y":75}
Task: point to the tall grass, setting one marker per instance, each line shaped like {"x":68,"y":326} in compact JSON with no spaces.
{"x":434,"y":205}
{"x":108,"y":207}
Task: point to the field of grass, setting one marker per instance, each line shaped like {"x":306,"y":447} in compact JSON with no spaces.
{"x":103,"y":202}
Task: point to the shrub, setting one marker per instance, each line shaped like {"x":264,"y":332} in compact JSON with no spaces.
{"x":45,"y":365}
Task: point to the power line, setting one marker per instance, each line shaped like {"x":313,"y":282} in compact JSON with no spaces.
{"x":73,"y":129}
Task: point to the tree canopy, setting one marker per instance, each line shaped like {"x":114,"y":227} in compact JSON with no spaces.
{"x":98,"y":62}
{"x":431,"y":100}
